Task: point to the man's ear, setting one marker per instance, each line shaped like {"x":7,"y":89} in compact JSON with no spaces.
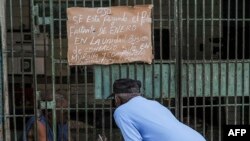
{"x":117,"y":101}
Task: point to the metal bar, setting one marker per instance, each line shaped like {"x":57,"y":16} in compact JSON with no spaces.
{"x":176,"y":56}
{"x":6,"y":122}
{"x":60,"y":39}
{"x":211,"y":73}
{"x":208,"y":106}
{"x":103,"y":96}
{"x":22,"y":60}
{"x":94,"y":117}
{"x":227,"y":58}
{"x":214,"y":61}
{"x":243,"y":64}
{"x":248,"y":96}
{"x":203,"y":67}
{"x":179,"y":59}
{"x":188,"y":62}
{"x":51,"y":13}
{"x":195,"y":67}
{"x":187,"y":66}
{"x":220,"y":75}
{"x":184,"y":19}
{"x":1,"y":88}
{"x":33,"y":30}
{"x":69,"y":91}
{"x":169,"y":26}
{"x":102,"y":102}
{"x":153,"y":67}
{"x":2,"y":42}
{"x":170,"y":72}
{"x":12,"y":62}
{"x":236,"y":62}
{"x":111,"y":106}
{"x":60,"y":56}
{"x":45,"y":59}
{"x":22,"y":57}
{"x":77,"y":103}
{"x":94,"y":104}
{"x":68,"y":95}
{"x":215,"y":19}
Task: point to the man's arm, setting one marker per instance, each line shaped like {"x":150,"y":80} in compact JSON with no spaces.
{"x":41,"y":131}
{"x":129,"y":131}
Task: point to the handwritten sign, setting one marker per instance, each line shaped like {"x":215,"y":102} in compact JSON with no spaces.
{"x":109,"y":35}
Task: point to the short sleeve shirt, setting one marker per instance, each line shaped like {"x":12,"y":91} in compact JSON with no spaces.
{"x":141,"y":119}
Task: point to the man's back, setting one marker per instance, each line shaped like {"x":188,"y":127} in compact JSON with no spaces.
{"x":147,"y":120}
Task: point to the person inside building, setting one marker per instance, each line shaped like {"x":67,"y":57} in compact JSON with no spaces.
{"x":44,"y":122}
{"x":141,"y":119}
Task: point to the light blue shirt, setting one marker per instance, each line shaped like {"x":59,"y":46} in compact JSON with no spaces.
{"x":141,"y":119}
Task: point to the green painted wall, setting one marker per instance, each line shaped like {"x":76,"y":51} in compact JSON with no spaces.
{"x":156,"y":79}
{"x":198,"y":79}
{"x":225,"y":79}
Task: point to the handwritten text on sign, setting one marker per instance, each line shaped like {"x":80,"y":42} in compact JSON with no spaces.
{"x":109,"y":35}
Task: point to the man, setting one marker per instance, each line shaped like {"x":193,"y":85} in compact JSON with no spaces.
{"x":140,"y":119}
{"x":44,"y":123}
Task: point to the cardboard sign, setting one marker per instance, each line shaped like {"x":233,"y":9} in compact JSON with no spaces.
{"x":109,"y":35}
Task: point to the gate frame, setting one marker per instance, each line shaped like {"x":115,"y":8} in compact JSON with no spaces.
{"x":4,"y":122}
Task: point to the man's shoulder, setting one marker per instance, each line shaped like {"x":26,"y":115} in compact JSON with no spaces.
{"x":131,"y":106}
{"x":124,"y":110}
{"x":121,"y":109}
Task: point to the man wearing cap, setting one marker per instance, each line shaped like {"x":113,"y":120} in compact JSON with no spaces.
{"x":140,"y":119}
{"x":44,"y":122}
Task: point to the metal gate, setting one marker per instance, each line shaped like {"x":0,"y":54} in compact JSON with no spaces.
{"x":200,"y":68}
